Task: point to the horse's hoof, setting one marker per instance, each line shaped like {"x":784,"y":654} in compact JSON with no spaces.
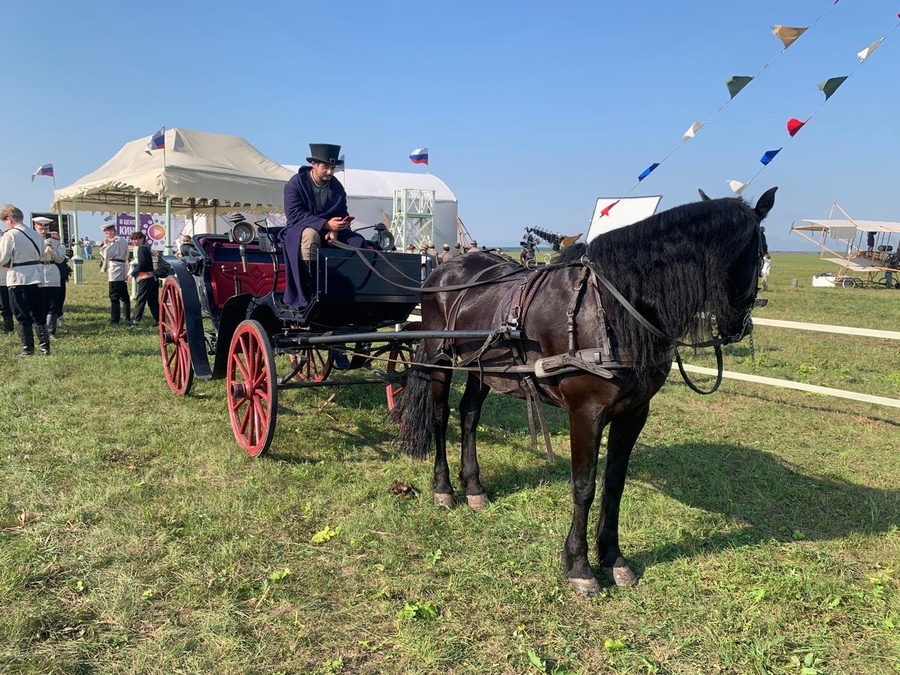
{"x":478,"y":502}
{"x":620,"y":575}
{"x":586,"y":588}
{"x":445,"y":500}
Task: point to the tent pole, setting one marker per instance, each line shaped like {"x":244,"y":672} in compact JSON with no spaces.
{"x":77,"y":248}
{"x":168,"y":250}
{"x":192,"y":202}
{"x":215,"y":214}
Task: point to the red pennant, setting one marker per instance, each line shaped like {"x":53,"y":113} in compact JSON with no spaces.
{"x":794,"y":125}
{"x":605,"y":210}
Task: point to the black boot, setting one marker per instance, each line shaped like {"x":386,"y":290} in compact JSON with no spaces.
{"x":27,"y":338}
{"x":51,"y":325}
{"x":8,"y":323}
{"x":308,"y":279}
{"x":43,"y":339}
{"x":127,"y":304}
{"x":114,"y":313}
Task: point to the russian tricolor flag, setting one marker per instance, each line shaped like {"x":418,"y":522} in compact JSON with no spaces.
{"x":419,"y":156}
{"x":157,"y":141}
{"x":43,"y":170}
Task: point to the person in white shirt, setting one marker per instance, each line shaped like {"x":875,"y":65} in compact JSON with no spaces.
{"x":51,"y":256}
{"x":20,"y":253}
{"x":114,"y":254}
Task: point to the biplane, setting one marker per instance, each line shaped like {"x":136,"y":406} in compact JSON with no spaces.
{"x":865,"y":251}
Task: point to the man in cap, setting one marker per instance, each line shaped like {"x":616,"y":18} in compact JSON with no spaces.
{"x":315,"y":204}
{"x":473,"y":247}
{"x":114,"y":254}
{"x":447,"y":255}
{"x":51,"y":255}
{"x":20,"y":254}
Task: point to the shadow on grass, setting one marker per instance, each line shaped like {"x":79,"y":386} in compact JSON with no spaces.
{"x":770,"y":499}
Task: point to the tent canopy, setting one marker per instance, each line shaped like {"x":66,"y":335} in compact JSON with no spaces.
{"x":218,"y":172}
{"x":832,"y":225}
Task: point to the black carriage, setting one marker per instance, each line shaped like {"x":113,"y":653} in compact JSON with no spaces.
{"x":222,"y":299}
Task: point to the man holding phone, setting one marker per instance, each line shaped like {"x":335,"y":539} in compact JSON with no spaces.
{"x":315,"y":204}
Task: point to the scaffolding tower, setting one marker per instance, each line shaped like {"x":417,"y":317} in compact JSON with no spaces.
{"x":413,"y":221}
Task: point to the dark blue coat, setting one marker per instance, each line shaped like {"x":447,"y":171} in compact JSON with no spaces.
{"x":301,"y":212}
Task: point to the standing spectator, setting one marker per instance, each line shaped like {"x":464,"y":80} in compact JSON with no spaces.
{"x":113,"y":254}
{"x":427,"y":261}
{"x":51,"y":255}
{"x":20,"y":253}
{"x":147,"y":286}
{"x":457,"y":249}
{"x":764,"y":273}
{"x":432,"y":251}
{"x":447,"y":255}
{"x":88,"y":249}
{"x":473,"y":247}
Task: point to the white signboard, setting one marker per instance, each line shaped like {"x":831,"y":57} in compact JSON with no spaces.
{"x":612,"y":213}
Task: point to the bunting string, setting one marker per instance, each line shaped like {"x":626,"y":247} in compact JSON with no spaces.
{"x":735,"y":84}
{"x":828,"y":88}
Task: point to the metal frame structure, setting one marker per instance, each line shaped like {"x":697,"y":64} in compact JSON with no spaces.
{"x":413,"y":221}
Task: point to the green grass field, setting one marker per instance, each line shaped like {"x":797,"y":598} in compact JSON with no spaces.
{"x":136,"y":538}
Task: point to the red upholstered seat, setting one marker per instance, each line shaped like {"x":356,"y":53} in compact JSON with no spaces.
{"x":226,"y":267}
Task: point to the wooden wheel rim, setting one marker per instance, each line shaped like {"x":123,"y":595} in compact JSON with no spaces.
{"x":173,"y":344}
{"x":252,"y":388}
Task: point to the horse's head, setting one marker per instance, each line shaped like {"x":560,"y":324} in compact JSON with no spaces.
{"x":743,"y":275}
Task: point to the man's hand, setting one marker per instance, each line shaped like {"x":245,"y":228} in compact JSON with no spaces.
{"x":330,"y":236}
{"x":335,"y":224}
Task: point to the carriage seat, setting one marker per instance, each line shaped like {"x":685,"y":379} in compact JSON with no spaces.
{"x":226,"y":275}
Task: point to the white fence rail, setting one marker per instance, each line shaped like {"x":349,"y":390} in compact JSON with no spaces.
{"x":812,"y":388}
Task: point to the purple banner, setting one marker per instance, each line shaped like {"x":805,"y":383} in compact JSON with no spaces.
{"x":153,"y":228}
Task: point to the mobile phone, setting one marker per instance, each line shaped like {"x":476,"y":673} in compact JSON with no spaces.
{"x":348,"y":219}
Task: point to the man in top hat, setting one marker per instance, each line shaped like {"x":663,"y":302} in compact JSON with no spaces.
{"x":315,"y":204}
{"x":20,"y":254}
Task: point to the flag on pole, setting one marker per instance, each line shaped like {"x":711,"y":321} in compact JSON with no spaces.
{"x":43,"y":170}
{"x":737,"y":187}
{"x":157,"y":141}
{"x":419,"y":156}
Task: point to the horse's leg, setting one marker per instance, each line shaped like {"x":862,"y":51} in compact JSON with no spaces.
{"x":441,"y":487}
{"x":624,"y":430}
{"x":470,"y":413}
{"x":585,"y":427}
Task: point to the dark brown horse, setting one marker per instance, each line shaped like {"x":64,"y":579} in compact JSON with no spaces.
{"x":597,"y":336}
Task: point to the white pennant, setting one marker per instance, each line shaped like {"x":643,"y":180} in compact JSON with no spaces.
{"x":690,"y":133}
{"x":867,"y":52}
{"x":737,"y":187}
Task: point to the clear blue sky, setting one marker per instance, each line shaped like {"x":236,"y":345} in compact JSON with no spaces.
{"x":531,"y":110}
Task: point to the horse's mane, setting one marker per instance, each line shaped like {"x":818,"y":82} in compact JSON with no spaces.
{"x":674,"y":268}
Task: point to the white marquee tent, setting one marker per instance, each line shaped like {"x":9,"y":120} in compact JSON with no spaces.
{"x":200,"y":172}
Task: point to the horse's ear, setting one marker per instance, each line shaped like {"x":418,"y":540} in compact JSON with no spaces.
{"x":703,"y":196}
{"x":765,"y":203}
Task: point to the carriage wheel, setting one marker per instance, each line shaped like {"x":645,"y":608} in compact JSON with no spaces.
{"x":317,"y":364}
{"x":400,"y":357}
{"x":252,"y":390}
{"x":173,"y":345}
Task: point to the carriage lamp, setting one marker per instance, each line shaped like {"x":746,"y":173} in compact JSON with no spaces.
{"x":242,"y":233}
{"x":382,"y":240}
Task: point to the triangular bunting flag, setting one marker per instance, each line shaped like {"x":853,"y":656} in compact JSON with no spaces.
{"x":867,"y":52}
{"x":736,"y":83}
{"x":690,"y":133}
{"x":648,"y":171}
{"x":794,"y":125}
{"x":829,"y":86}
{"x":737,"y":187}
{"x":787,"y":35}
{"x":769,"y":155}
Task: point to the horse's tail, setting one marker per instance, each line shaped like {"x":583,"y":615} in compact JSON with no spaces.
{"x":416,"y":409}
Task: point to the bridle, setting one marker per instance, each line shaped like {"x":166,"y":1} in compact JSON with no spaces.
{"x":747,"y":297}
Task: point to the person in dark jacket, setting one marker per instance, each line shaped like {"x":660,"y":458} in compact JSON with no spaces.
{"x":315,"y":204}
{"x":147,"y":286}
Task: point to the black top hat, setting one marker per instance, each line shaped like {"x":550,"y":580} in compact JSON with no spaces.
{"x":325,"y":153}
